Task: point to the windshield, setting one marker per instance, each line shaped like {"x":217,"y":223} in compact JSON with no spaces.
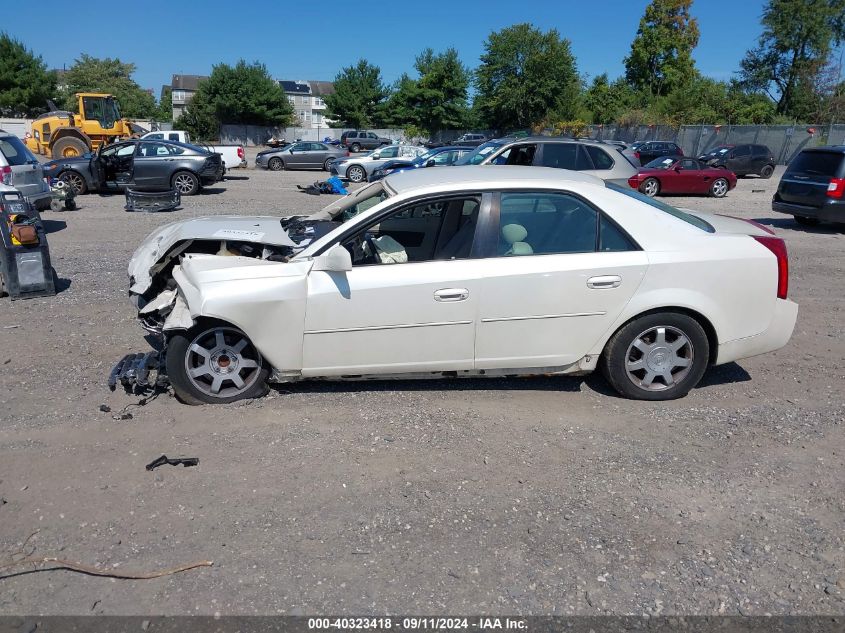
{"x":664,"y":162}
{"x":111,"y":110}
{"x":423,"y":158}
{"x":662,"y":206}
{"x":15,"y":152}
{"x":353,"y":204}
{"x":477,"y":156}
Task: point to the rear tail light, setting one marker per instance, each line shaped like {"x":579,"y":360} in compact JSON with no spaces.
{"x":778,"y":248}
{"x":347,"y":153}
{"x":680,"y":152}
{"x":836,"y":188}
{"x":6,"y":175}
{"x":634,"y":182}
{"x":241,"y":153}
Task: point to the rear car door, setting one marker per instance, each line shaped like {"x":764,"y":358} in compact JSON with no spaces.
{"x":152,"y":165}
{"x":561,"y":273}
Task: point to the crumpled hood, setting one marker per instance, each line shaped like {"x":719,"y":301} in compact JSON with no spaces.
{"x":260,"y":230}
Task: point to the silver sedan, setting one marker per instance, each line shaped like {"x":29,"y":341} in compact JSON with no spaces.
{"x":360,"y":168}
{"x":302,"y":155}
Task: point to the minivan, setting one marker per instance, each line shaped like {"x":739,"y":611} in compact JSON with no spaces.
{"x":20,"y":169}
{"x":812,"y":189}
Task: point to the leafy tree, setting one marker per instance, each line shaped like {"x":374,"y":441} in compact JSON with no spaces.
{"x":605,"y":100}
{"x":797,"y":38}
{"x":399,"y":108}
{"x":25,"y":83}
{"x":246,"y":94}
{"x":165,"y":105}
{"x":90,"y":74}
{"x":358,"y":93}
{"x":661,"y":53}
{"x":526,"y":75}
{"x":199,"y":119}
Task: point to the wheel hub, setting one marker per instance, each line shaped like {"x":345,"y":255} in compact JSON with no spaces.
{"x":659,"y":360}
{"x":224,"y":361}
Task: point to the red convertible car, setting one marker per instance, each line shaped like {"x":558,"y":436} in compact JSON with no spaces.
{"x":676,"y":174}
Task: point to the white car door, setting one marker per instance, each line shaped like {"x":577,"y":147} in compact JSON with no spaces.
{"x":562,"y":274}
{"x":410,"y":302}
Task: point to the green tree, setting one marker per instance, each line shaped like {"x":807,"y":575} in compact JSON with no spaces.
{"x":199,"y":119}
{"x":164,"y":112}
{"x":247,"y":94}
{"x":661,"y":53}
{"x":797,"y":38}
{"x":398,"y":110}
{"x":441,"y":90}
{"x":526,"y":75}
{"x":90,"y":74}
{"x":25,"y":83}
{"x":605,"y":100}
{"x":358,"y":95}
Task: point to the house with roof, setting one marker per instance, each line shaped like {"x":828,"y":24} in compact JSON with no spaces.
{"x":306,"y":97}
{"x":182,"y":89}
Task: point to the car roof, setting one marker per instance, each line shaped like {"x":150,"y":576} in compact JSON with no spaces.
{"x":825,"y":148}
{"x":484,"y":175}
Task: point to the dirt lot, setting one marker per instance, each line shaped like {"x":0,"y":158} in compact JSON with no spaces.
{"x":543,"y":496}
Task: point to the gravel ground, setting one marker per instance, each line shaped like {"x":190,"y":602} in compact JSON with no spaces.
{"x":532,"y":496}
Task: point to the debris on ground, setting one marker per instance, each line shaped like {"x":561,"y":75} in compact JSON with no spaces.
{"x":175,"y":461}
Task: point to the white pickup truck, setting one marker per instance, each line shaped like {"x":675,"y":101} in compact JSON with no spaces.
{"x":233,"y":155}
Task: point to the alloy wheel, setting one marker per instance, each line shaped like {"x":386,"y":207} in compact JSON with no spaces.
{"x":184,"y":183}
{"x":659,"y":358}
{"x":720,"y":187}
{"x":356,"y":174}
{"x":222,"y":363}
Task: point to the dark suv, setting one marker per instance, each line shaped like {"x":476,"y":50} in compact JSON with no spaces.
{"x":813,"y":187}
{"x":647,"y":151}
{"x":356,"y":140}
{"x":742,"y":159}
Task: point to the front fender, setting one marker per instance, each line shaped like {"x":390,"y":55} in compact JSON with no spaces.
{"x":264,"y":299}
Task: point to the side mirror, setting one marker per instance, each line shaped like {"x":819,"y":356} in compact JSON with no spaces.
{"x":429,"y":162}
{"x":290,"y":151}
{"x":678,"y":168}
{"x":376,"y":156}
{"x":335,"y":260}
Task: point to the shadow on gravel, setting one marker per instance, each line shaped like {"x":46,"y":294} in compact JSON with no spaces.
{"x":212,"y":191}
{"x":235,"y":177}
{"x":792,"y":225}
{"x":53,"y":226}
{"x":723,"y":375}
{"x":62,"y":284}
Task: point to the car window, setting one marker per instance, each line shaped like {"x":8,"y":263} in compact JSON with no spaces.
{"x":152,"y":150}
{"x":741,"y":150}
{"x":545,"y":223}
{"x":444,"y":158}
{"x":612,"y":239}
{"x":517,"y":155}
{"x":389,"y":152}
{"x":113,"y":150}
{"x":126,"y":150}
{"x":662,"y":206}
{"x":816,"y":163}
{"x":601,"y":159}
{"x":560,"y":155}
{"x":173,"y":137}
{"x":443,"y":228}
{"x":176,"y":149}
{"x":664,"y":162}
{"x":154,"y":136}
{"x":689,"y":164}
{"x":371,"y":135}
{"x":15,"y":152}
{"x":300,"y":147}
{"x":480,"y":153}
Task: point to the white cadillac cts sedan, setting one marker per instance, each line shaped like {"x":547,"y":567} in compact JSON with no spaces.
{"x":470,"y":271}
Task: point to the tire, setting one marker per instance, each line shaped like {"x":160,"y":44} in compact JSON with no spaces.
{"x":275,"y":164}
{"x":219,"y":342}
{"x":69,"y":147}
{"x":805,"y":221}
{"x":650,"y":187}
{"x":186,"y":183}
{"x":767,"y":171}
{"x":75,"y":181}
{"x":327,"y":166}
{"x":355,"y":148}
{"x":719,"y":188}
{"x":356,"y":173}
{"x":635,"y":355}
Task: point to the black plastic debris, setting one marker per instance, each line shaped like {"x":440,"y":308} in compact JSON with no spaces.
{"x":175,"y":461}
{"x":152,"y":201}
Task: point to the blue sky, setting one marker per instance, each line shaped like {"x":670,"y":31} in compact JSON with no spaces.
{"x":310,"y":40}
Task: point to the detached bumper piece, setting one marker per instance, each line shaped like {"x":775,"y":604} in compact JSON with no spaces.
{"x":25,"y":268}
{"x":152,"y":202}
{"x":133,"y":372}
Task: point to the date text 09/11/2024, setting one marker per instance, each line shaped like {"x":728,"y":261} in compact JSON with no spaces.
{"x":418,"y":623}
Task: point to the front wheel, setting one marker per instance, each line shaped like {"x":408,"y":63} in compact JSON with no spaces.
{"x":75,"y":181}
{"x":275,"y":164}
{"x":719,"y":188}
{"x":356,"y":173}
{"x":658,"y":356}
{"x":186,"y":183}
{"x":215,"y":363}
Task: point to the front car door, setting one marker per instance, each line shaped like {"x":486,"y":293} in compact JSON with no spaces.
{"x":298,"y":154}
{"x":740,"y":157}
{"x":115,"y":165}
{"x":690,"y":178}
{"x":409,"y":303}
{"x":561,"y":274}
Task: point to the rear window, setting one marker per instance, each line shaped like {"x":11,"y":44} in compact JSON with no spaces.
{"x":600,"y":158}
{"x":15,"y":151}
{"x":818,"y":163}
{"x":662,"y":206}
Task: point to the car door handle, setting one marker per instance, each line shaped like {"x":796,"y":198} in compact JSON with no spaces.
{"x":604,"y":281}
{"x":451,"y":294}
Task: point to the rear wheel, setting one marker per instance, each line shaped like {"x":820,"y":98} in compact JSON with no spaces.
{"x":719,"y":188}
{"x":804,"y":221}
{"x":275,"y":164}
{"x":215,"y":363}
{"x":767,"y":171}
{"x":355,"y":147}
{"x":658,"y":356}
{"x":186,"y":183}
{"x":75,"y":181}
{"x":69,"y":147}
{"x":327,"y":166}
{"x":356,"y":173}
{"x":650,"y":187}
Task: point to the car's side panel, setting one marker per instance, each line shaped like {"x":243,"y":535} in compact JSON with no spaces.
{"x":539,"y":310}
